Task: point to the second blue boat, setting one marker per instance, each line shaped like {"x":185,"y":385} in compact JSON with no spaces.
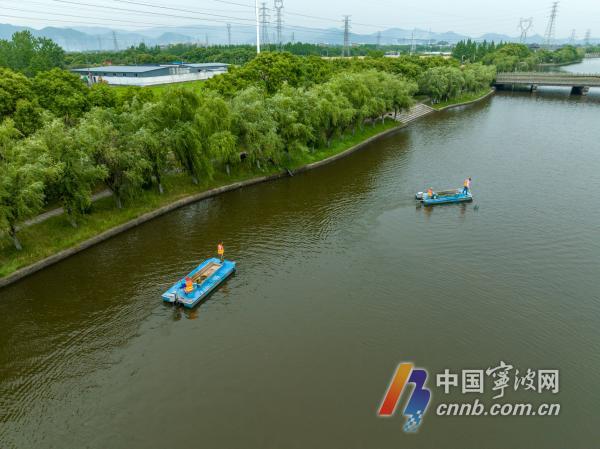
{"x":445,"y":197}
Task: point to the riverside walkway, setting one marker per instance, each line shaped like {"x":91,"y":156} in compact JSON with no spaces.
{"x":579,"y":83}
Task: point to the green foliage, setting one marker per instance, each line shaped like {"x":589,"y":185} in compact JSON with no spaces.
{"x":21,"y":186}
{"x":176,"y":117}
{"x":28,"y":116}
{"x":101,"y":134}
{"x":30,"y":55}
{"x":13,"y":87}
{"x":62,"y":93}
{"x":102,"y":95}
{"x":75,"y":172}
{"x":511,"y":56}
{"x":255,"y":127}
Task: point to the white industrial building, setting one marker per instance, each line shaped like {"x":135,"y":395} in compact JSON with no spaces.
{"x":150,"y":75}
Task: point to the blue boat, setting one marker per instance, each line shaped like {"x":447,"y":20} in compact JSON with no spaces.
{"x":205,"y":278}
{"x":445,"y":197}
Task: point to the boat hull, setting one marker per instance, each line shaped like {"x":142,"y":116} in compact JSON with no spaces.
{"x":458,"y":198}
{"x":219,"y":271}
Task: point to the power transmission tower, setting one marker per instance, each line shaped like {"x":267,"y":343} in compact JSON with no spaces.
{"x":413,"y":46}
{"x":264,"y":21}
{"x":115,"y":42}
{"x":551,"y":28}
{"x":346,"y":36}
{"x":588,"y":36}
{"x":378,"y":39}
{"x":257,"y":27}
{"x":293,"y":38}
{"x":206,"y":40}
{"x":573,"y":37}
{"x":525,"y":25}
{"x":229,"y":34}
{"x":99,"y":43}
{"x":278,"y":8}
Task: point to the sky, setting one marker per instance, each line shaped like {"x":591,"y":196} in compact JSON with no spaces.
{"x":468,"y":17}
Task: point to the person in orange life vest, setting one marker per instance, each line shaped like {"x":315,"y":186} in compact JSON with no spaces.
{"x":466,"y":186}
{"x":189,"y":285}
{"x":430,"y":193}
{"x":221,"y":251}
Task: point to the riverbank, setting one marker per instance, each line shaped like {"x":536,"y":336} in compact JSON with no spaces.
{"x":463,"y":100}
{"x":55,"y":239}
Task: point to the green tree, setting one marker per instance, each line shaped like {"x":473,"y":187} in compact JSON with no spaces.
{"x":28,"y":116}
{"x":99,"y":134}
{"x":76,"y":174}
{"x":13,"y":87}
{"x":177,"y":121}
{"x":102,"y":95}
{"x":21,"y":188}
{"x":255,"y":127}
{"x":214,"y":119}
{"x":62,"y":93}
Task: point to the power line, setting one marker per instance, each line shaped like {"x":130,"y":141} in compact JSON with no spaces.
{"x":114,"y":8}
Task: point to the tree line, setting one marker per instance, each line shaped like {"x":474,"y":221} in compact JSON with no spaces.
{"x":230,"y":54}
{"x":508,"y":57}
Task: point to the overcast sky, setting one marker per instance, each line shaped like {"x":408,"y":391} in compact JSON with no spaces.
{"x":462,"y":16}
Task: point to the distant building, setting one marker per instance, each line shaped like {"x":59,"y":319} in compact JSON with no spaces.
{"x":150,"y":75}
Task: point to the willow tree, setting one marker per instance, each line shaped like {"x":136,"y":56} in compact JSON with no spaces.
{"x":214,"y":121}
{"x":99,"y":134}
{"x":176,"y":120}
{"x":21,"y":188}
{"x":137,"y":121}
{"x":75,"y":174}
{"x":255,"y":127}
{"x":288,"y":108}
{"x":331,"y":112}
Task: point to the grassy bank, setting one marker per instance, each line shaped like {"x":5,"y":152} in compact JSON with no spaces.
{"x":464,"y":98}
{"x":56,"y":234}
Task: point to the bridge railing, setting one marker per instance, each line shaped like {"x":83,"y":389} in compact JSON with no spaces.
{"x":549,"y":74}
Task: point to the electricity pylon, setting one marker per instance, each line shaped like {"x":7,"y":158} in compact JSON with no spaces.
{"x":551,"y":28}
{"x":264,"y":23}
{"x":525,"y":25}
{"x":346,"y":36}
{"x":278,"y":9}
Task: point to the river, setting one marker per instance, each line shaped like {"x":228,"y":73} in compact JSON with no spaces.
{"x":340,"y":277}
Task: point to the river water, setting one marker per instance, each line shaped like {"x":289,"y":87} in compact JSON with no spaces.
{"x":340,"y":278}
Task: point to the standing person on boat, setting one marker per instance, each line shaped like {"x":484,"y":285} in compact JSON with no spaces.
{"x":221,"y":250}
{"x":466,"y":186}
{"x":430,"y":193}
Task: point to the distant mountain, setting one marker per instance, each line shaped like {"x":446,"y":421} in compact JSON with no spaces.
{"x":83,"y":38}
{"x":7,"y":30}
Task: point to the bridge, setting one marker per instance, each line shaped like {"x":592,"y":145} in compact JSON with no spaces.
{"x":592,"y":55}
{"x":579,"y":83}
